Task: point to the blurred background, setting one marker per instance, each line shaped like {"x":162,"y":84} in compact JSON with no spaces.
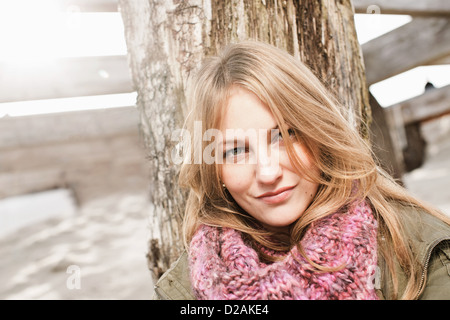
{"x":73,"y":170}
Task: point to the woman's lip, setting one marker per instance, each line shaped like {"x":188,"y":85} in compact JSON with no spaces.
{"x":277,"y":196}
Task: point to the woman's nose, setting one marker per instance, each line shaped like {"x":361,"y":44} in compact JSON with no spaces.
{"x":268,"y":168}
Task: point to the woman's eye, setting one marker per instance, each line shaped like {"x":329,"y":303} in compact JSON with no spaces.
{"x":279,"y":135}
{"x":291,"y":132}
{"x":234,"y":152}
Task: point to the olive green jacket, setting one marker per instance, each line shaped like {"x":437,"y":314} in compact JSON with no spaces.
{"x":429,"y":236}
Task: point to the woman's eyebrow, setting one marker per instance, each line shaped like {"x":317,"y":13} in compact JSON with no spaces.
{"x":245,"y":137}
{"x":234,"y":141}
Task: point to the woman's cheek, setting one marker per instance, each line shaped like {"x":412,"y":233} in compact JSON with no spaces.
{"x":303,"y":155}
{"x":236,"y":177}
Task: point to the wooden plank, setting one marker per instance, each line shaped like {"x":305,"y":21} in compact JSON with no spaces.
{"x":443,"y":60}
{"x":90,"y":5}
{"x":411,"y":7}
{"x":57,"y":128}
{"x":417,"y":43}
{"x":64,"y":77}
{"x":432,"y":104}
{"x":386,"y":149}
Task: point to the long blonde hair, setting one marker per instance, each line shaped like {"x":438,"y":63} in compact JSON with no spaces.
{"x":299,"y":101}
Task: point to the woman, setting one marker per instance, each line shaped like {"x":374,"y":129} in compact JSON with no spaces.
{"x":294,"y":205}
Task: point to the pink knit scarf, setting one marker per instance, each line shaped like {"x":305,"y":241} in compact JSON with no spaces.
{"x":223,"y":266}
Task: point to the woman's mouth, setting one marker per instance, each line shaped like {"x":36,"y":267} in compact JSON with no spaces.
{"x":277,"y":196}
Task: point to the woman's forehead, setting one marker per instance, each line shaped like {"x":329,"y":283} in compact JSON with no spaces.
{"x":245,"y":110}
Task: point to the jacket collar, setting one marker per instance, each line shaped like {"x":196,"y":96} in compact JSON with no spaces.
{"x":425,"y":232}
{"x":175,"y":284}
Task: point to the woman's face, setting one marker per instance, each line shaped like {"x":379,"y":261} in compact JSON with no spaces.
{"x":258,"y":172}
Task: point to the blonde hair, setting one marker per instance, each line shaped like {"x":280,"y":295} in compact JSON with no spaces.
{"x":300,"y":102}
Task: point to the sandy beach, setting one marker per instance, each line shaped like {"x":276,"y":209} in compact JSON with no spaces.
{"x":105,"y":239}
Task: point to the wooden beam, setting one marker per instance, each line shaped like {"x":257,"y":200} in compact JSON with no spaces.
{"x":432,"y":104}
{"x":442,"y":60}
{"x":405,"y":119}
{"x":417,"y":43}
{"x":90,"y":5}
{"x":57,"y":128}
{"x":64,"y":77}
{"x":436,"y":8}
{"x":386,"y":149}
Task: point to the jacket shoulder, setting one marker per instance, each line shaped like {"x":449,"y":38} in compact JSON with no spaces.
{"x":175,"y":283}
{"x":438,"y":275}
{"x":429,"y":238}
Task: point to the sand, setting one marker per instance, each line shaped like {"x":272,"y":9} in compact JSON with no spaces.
{"x":104,"y":242}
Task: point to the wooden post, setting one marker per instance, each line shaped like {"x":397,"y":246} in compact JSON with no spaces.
{"x":388,"y":153}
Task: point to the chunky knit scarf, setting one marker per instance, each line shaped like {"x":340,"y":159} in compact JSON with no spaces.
{"x":223,"y":266}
